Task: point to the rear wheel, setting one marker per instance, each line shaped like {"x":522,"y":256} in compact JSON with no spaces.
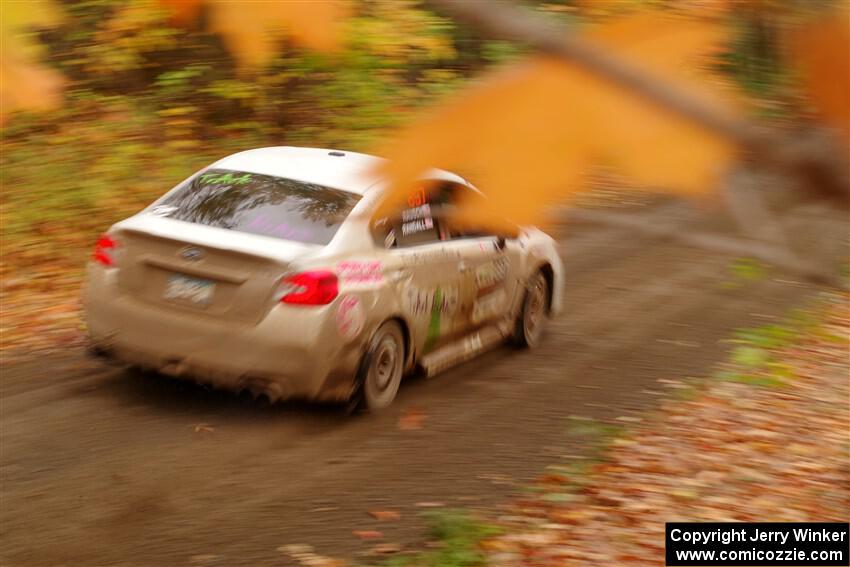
{"x":532,"y":316}
{"x":382,"y":368}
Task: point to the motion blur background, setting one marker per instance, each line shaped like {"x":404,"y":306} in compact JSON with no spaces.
{"x":690,"y":157}
{"x":131,"y":97}
{"x":108,"y":103}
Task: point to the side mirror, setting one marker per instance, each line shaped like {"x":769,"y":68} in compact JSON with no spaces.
{"x":501,"y":242}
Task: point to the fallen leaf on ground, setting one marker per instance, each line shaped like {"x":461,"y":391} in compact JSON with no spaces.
{"x":296,"y":548}
{"x":430,"y":504}
{"x":735,"y":452}
{"x":385,"y":515}
{"x":385,"y":549}
{"x":412,"y":419}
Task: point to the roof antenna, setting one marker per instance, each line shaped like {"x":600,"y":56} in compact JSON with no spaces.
{"x":336,"y":153}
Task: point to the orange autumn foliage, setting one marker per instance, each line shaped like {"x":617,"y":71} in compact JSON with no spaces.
{"x":537,"y":125}
{"x":26,"y":83}
{"x":252,"y":27}
{"x":821,"y":53}
{"x":529,"y":133}
{"x":183,"y":12}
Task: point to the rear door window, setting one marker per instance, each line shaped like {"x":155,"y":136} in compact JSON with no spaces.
{"x":418,"y":222}
{"x":260,"y":204}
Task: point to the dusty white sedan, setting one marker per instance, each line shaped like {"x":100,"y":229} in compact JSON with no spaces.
{"x":278,"y":271}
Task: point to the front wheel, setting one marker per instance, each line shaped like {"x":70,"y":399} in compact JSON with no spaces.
{"x":532,"y":316}
{"x":382,"y":368}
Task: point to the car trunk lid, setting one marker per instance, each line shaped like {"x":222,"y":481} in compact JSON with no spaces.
{"x":206,"y":271}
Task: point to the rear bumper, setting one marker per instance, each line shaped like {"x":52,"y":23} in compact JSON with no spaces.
{"x":294,"y":352}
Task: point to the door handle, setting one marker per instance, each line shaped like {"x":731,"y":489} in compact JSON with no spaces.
{"x":463,"y":267}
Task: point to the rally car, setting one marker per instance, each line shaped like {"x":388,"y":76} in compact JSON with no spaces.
{"x":281,"y":271}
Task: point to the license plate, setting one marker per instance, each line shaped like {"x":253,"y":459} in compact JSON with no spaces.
{"x":189,"y":290}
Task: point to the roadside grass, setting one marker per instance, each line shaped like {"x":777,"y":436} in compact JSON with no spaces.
{"x":744,"y":271}
{"x":63,"y":185}
{"x":457,"y":536}
{"x":564,"y":482}
{"x":753,"y":359}
{"x":63,"y":188}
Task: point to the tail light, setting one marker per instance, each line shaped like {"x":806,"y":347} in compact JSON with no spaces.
{"x":104,"y":251}
{"x":310,"y":288}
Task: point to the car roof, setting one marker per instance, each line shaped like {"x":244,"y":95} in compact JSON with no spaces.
{"x":340,"y":169}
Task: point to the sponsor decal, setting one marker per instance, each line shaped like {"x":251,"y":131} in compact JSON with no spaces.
{"x":420,"y":301}
{"x":473,"y":343}
{"x":263,"y":225}
{"x":489,"y":306}
{"x":416,"y":198}
{"x":225,"y":179}
{"x":423,"y":212}
{"x":418,"y":257}
{"x":418,"y":225}
{"x":435,"y":303}
{"x":354,"y":271}
{"x":491,"y":275}
{"x":350,"y":317}
{"x":434,"y":324}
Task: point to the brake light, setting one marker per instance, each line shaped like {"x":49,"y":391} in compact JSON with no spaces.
{"x":310,"y":288}
{"x":104,"y":251}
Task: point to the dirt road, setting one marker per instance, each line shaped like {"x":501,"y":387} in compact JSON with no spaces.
{"x":100,"y":467}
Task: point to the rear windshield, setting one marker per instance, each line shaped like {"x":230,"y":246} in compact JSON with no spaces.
{"x":259,"y":204}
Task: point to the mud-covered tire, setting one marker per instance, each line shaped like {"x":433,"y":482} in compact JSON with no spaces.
{"x":382,"y":368}
{"x":533,"y":313}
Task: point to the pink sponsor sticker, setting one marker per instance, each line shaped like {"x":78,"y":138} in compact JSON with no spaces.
{"x":350,"y":317}
{"x":361,"y":272}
